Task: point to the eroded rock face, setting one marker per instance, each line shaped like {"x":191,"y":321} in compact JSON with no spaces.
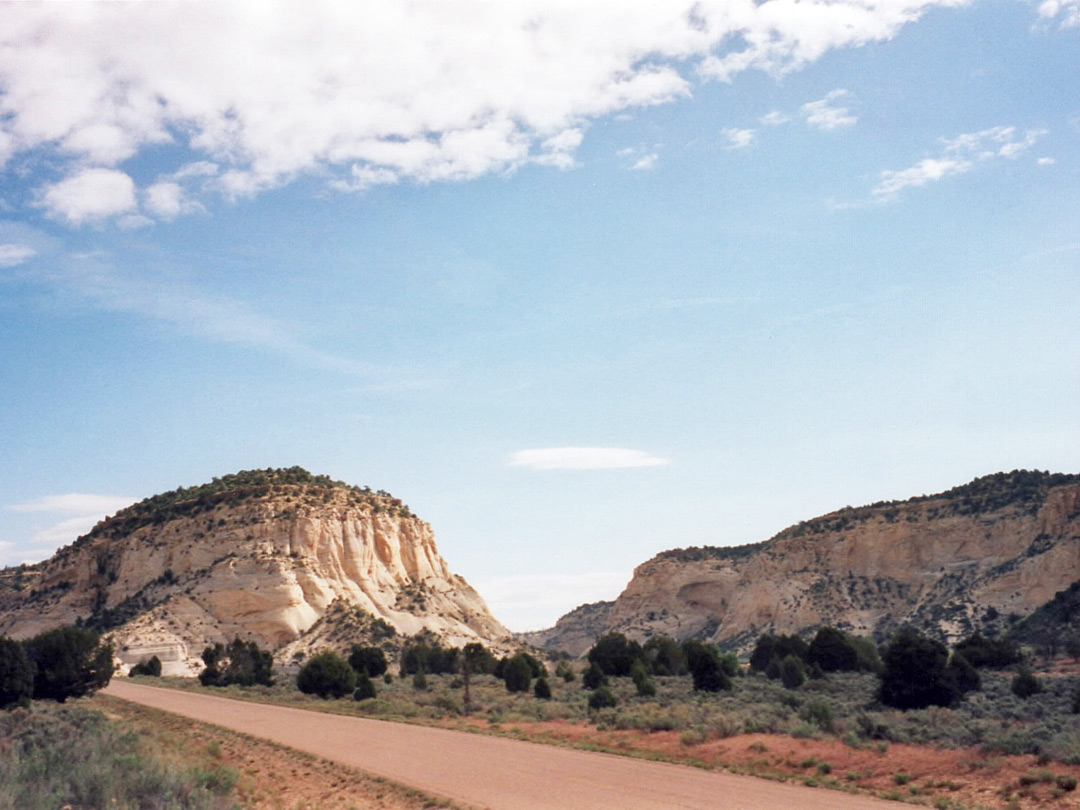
{"x":951,"y":564}
{"x":264,"y":567}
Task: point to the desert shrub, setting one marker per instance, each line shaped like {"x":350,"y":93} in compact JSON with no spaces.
{"x":779,"y":647}
{"x":326,"y":674}
{"x":792,"y":672}
{"x":428,"y":656}
{"x":594,"y":677}
{"x":665,"y":656}
{"x":239,"y":662}
{"x":994,"y":653}
{"x":365,"y":687}
{"x":517,"y":673}
{"x":819,"y":713}
{"x":565,"y":671}
{"x":602,"y":698}
{"x":703,"y":662}
{"x":542,"y":689}
{"x":962,"y":674}
{"x":615,"y":654}
{"x":1024,"y":683}
{"x":419,"y":681}
{"x":914,"y":673}
{"x":367,"y":660}
{"x":832,"y":651}
{"x":68,"y":662}
{"x":151,"y":668}
{"x":16,"y":674}
{"x":729,"y":663}
{"x":477,"y":658}
{"x":867,"y":652}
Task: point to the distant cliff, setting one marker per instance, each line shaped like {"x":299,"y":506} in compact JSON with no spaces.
{"x":974,"y":558}
{"x":260,"y":554}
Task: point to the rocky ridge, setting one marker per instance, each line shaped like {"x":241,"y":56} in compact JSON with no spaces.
{"x":974,"y":558}
{"x":262,"y":555}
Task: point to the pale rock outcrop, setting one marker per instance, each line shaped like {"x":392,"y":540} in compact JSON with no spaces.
{"x":264,"y":567}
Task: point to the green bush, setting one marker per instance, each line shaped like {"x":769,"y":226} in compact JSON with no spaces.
{"x":769,"y":647}
{"x":665,"y":655}
{"x":16,"y":674}
{"x":239,"y":662}
{"x":994,"y":653}
{"x":518,"y":673}
{"x":326,"y":674}
{"x":365,"y":688}
{"x":1024,"y":683}
{"x":68,"y":662}
{"x":705,"y":669}
{"x":593,"y":678}
{"x":150,"y":668}
{"x":368,"y":660}
{"x":565,"y":671}
{"x":615,"y":654}
{"x":419,"y":681}
{"x":428,"y":656}
{"x":602,"y":698}
{"x":542,"y":689}
{"x":914,"y":674}
{"x":792,"y":672}
{"x":832,"y":651}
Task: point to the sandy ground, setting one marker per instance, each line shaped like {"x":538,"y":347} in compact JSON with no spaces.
{"x":493,"y":772}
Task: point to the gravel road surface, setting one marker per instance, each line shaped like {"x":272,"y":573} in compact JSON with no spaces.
{"x":493,"y":772}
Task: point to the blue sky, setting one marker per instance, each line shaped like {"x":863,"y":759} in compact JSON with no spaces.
{"x":578,"y":284}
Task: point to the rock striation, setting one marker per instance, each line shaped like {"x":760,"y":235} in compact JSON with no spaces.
{"x":977,"y":557}
{"x":262,"y":555}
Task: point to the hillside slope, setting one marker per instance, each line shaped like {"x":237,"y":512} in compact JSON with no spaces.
{"x":972,"y":558}
{"x":260,"y":554}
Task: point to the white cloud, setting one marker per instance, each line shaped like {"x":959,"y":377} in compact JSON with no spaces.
{"x":1067,"y":10}
{"x":925,"y":171}
{"x":737,"y":138}
{"x":89,"y":195}
{"x":823,"y":114}
{"x":12,"y":254}
{"x":1045,"y":161}
{"x":76,"y":503}
{"x":369,"y":93}
{"x":168,"y":200}
{"x":774,"y":118}
{"x":645,"y":162}
{"x":960,"y":155}
{"x":584,"y":458}
{"x":536,"y":601}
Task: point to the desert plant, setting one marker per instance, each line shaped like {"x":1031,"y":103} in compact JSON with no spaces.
{"x":365,"y":688}
{"x":1024,"y":683}
{"x":914,"y":674}
{"x":326,"y":674}
{"x":369,"y":660}
{"x":68,"y":662}
{"x":832,"y":651}
{"x":239,"y":662}
{"x":703,"y":662}
{"x":151,"y":668}
{"x":594,"y":677}
{"x":518,"y":674}
{"x":792,"y":672}
{"x":615,"y":654}
{"x":16,"y":674}
{"x":542,"y":689}
{"x":665,"y":656}
{"x":602,"y":698}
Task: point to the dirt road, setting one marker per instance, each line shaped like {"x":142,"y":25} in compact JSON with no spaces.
{"x":493,"y":772}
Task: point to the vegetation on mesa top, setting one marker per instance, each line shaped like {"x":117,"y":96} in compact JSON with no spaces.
{"x":236,"y":488}
{"x":1026,"y":489}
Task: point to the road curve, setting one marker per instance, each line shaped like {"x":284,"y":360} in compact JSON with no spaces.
{"x":494,"y":772}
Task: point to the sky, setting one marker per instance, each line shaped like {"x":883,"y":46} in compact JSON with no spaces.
{"x":579,"y":282}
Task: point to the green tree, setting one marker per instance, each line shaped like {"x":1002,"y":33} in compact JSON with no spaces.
{"x":368,"y":660}
{"x":326,"y":674}
{"x":1024,"y":683}
{"x":365,"y":688}
{"x":831,"y":650}
{"x":602,"y":698}
{"x":665,"y":655}
{"x":615,"y":654}
{"x":593,"y":677}
{"x":792,"y":672}
{"x":916,"y":673}
{"x":542,"y":689}
{"x":16,"y":674}
{"x":150,"y":668}
{"x":68,"y":662}
{"x":474,"y":658}
{"x":770,"y":646}
{"x":518,"y":673}
{"x":705,"y":668}
{"x":239,"y":662}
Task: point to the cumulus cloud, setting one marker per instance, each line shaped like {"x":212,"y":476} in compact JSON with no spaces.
{"x":736,"y":138}
{"x":774,"y":118}
{"x":960,"y":155}
{"x":364,"y":94}
{"x":89,"y":195}
{"x":585,"y":458}
{"x":12,"y":254}
{"x":1066,"y":12}
{"x":824,"y":114}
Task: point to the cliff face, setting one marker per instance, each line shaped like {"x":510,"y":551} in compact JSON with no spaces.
{"x":575,"y":632}
{"x":263,"y":563}
{"x":965,"y":560}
